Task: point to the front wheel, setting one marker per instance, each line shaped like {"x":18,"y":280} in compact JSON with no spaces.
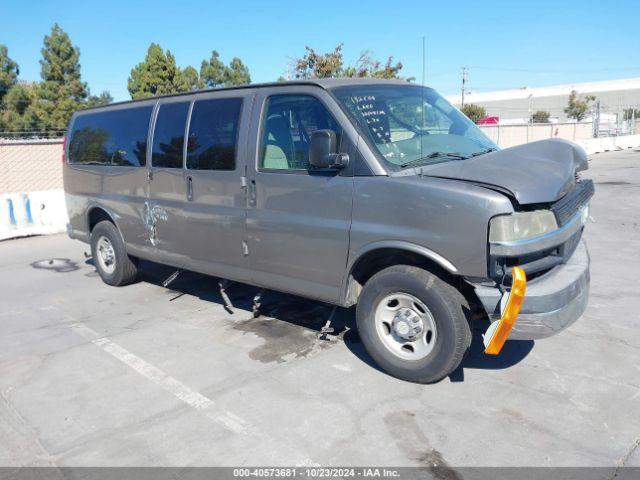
{"x":412,"y":323}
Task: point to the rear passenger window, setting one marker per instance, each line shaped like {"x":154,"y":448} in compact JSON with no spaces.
{"x":288,"y":124}
{"x":213,"y":132}
{"x":111,"y":137}
{"x":168,"y":135}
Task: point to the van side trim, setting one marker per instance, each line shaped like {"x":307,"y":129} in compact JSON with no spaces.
{"x":389,"y":244}
{"x":114,"y":218}
{"x":400,"y":245}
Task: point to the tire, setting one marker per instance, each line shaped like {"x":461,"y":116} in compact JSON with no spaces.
{"x":430,"y":356}
{"x":115,"y":267}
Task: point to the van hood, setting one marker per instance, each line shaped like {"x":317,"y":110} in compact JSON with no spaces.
{"x":537,"y":172}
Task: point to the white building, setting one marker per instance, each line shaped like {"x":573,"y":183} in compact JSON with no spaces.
{"x":516,"y":105}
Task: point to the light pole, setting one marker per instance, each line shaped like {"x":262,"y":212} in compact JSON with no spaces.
{"x":530,"y":122}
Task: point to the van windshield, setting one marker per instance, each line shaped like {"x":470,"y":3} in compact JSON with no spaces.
{"x":411,"y":125}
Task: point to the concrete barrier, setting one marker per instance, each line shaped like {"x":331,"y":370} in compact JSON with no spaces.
{"x":608,"y":144}
{"x":33,"y":213}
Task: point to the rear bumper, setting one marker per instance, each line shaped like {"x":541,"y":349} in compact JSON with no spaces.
{"x":552,"y":302}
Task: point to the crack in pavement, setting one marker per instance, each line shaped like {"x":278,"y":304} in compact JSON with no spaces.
{"x":623,"y":460}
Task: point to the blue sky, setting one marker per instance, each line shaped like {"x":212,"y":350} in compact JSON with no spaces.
{"x":505,"y":44}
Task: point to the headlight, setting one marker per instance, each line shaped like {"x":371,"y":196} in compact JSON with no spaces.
{"x":521,"y":226}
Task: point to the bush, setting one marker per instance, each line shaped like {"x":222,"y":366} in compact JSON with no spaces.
{"x":540,"y":117}
{"x":474,"y":112}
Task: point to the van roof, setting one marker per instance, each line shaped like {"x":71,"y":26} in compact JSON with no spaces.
{"x":326,"y":83}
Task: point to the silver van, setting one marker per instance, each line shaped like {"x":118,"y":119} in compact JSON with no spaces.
{"x":368,"y":192}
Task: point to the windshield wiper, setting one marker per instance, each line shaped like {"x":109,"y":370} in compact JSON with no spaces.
{"x":482,"y":152}
{"x":418,"y":161}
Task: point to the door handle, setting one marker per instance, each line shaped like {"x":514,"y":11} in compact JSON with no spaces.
{"x":252,"y":193}
{"x":190,"y":189}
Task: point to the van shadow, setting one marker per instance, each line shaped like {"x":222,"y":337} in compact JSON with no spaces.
{"x":291,"y":325}
{"x":513,"y":352}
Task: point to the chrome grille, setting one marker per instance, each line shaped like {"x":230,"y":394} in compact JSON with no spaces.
{"x":565,"y":208}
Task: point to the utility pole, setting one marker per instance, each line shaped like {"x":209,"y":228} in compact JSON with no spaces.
{"x":596,"y":126}
{"x":465,"y":79}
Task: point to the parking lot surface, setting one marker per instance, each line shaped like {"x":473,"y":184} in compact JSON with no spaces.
{"x":92,"y":375}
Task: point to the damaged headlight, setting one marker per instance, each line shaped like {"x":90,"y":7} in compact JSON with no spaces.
{"x":521,"y":226}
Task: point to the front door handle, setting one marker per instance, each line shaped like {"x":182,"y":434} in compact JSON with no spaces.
{"x":189,"y":188}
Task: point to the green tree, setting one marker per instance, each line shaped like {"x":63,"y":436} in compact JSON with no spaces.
{"x":156,"y":75}
{"x":9,"y":71}
{"x":102,"y":99}
{"x":18,"y":109}
{"x":540,"y":117}
{"x":191,"y":79}
{"x":367,"y":66}
{"x":237,"y":73}
{"x":319,"y":65}
{"x":630,"y":113}
{"x":577,"y":107}
{"x":214,"y":73}
{"x":474,"y":112}
{"x":331,"y":64}
{"x":62,"y":90}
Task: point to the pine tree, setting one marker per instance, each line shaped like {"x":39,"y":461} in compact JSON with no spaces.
{"x":62,"y":90}
{"x":190,"y":79}
{"x":9,"y":71}
{"x":212,"y":72}
{"x":102,"y":99}
{"x":237,"y":73}
{"x":19,"y":111}
{"x":156,"y":75}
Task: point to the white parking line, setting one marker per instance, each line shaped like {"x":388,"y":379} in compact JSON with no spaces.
{"x":189,"y":396}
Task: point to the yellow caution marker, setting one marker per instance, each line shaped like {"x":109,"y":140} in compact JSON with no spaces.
{"x":498,"y":332}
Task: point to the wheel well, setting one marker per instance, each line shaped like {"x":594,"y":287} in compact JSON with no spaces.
{"x":97,"y":215}
{"x":376,"y":260}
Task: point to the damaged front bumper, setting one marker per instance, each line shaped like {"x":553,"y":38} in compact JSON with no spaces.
{"x":552,"y":302}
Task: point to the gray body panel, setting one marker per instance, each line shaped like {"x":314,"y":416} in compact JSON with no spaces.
{"x":204,"y":231}
{"x":303,"y":232}
{"x":298,"y":222}
{"x":120,"y":191}
{"x":449,"y":218}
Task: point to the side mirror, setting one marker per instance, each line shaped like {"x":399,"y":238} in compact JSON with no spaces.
{"x":322,"y":151}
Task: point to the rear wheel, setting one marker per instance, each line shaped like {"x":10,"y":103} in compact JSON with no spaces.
{"x":413,"y":324}
{"x":110,"y":257}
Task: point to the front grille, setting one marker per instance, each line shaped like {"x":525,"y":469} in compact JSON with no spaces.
{"x":565,"y":208}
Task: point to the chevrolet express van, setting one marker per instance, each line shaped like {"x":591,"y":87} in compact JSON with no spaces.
{"x":369,"y":192}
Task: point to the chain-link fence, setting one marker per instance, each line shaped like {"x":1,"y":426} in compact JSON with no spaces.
{"x":30,"y":165}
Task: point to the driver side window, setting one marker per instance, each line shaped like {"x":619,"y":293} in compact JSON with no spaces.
{"x":288,"y":123}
